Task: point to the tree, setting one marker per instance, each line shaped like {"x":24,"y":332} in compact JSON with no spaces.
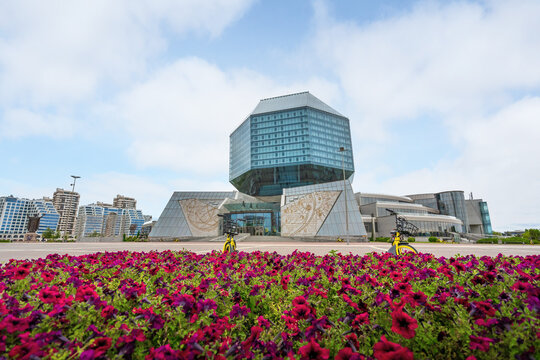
{"x":532,"y":234}
{"x":48,"y":234}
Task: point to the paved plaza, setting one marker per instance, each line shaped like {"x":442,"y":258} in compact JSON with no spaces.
{"x":41,"y":250}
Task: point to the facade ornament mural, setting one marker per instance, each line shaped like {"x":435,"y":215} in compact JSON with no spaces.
{"x":305,"y":216}
{"x":201,"y":217}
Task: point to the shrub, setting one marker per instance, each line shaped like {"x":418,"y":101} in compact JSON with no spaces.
{"x":411,"y":239}
{"x":515,"y":240}
{"x":384,"y":239}
{"x":433,"y":239}
{"x":488,"y":241}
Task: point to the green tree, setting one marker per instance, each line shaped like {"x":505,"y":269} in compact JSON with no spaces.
{"x":48,"y":234}
{"x":532,"y":234}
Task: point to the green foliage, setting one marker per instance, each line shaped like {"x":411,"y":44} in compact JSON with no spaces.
{"x":515,"y":240}
{"x":533,"y":234}
{"x":433,"y":239}
{"x":488,"y":241}
{"x":411,"y":239}
{"x":383,"y":239}
{"x":333,"y":253}
{"x":48,"y":234}
{"x":497,"y":233}
{"x":511,"y":240}
{"x":94,"y":234}
{"x":133,"y":239}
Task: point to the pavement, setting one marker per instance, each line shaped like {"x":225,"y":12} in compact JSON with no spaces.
{"x":40,"y":250}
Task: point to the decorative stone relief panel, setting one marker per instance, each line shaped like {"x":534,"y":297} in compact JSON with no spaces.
{"x":304,"y":216}
{"x":201,"y":217}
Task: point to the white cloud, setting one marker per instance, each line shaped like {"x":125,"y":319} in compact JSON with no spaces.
{"x":59,"y":52}
{"x":17,"y":123}
{"x":181,"y":118}
{"x":471,"y":67}
{"x":453,"y":57}
{"x":499,"y":164}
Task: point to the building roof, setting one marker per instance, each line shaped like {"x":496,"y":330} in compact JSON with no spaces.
{"x":292,"y":101}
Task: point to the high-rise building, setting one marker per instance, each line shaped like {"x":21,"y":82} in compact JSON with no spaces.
{"x":289,"y":141}
{"x":14,"y":214}
{"x":124,"y":202}
{"x":106,"y":220}
{"x":66,"y":203}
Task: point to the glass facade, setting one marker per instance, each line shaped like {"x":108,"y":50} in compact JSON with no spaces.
{"x":486,"y":220}
{"x":14,"y":213}
{"x":289,"y":147}
{"x":429,"y":202}
{"x":437,"y":228}
{"x":382,"y":211}
{"x":108,"y":221}
{"x":453,"y":203}
{"x":261,"y":218}
{"x":240,"y":147}
{"x":49,"y":215}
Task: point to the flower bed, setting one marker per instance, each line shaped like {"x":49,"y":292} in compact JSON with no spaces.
{"x":263,"y":305}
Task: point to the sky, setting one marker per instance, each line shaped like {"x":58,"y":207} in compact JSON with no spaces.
{"x":139,"y":97}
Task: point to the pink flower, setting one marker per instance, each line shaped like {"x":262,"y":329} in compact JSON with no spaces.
{"x":26,"y":351}
{"x":480,"y":343}
{"x":20,"y":273}
{"x":386,"y":350}
{"x":301,"y":312}
{"x":108,"y":311}
{"x":13,"y":324}
{"x":403,"y":324}
{"x":362,"y":319}
{"x":313,"y":351}
{"x":347,"y":354}
{"x":285,"y":281}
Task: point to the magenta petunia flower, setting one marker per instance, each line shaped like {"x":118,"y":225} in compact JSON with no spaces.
{"x":403,"y":324}
{"x":348,"y":354}
{"x":20,"y":273}
{"x":480,"y":343}
{"x":386,"y":350}
{"x":14,"y":324}
{"x":313,"y":351}
{"x":26,"y":351}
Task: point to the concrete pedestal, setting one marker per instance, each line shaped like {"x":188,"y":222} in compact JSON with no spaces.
{"x":32,"y":237}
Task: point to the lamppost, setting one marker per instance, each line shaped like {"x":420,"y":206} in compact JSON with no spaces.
{"x":342,"y":151}
{"x":75,"y":177}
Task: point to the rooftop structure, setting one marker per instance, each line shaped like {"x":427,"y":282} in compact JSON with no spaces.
{"x":66,"y":203}
{"x":124,"y":202}
{"x":289,"y":141}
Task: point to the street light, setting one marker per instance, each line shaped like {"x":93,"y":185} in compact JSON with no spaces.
{"x":342,"y":151}
{"x":75,"y":177}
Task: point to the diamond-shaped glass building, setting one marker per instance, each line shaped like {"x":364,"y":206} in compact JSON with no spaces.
{"x":289,"y":141}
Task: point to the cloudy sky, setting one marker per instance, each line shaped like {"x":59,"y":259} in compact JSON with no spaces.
{"x":139,"y":97}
